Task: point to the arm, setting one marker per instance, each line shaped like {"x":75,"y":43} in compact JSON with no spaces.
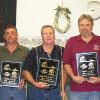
{"x":22,"y":81}
{"x":27,"y":75}
{"x":69,"y":71}
{"x":27,"y":68}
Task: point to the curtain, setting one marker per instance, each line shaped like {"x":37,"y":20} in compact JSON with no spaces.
{"x":7,"y":15}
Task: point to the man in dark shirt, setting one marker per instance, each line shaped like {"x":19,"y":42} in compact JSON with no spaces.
{"x":52,"y":56}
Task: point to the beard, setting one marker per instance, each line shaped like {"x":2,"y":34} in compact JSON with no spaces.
{"x":85,"y":32}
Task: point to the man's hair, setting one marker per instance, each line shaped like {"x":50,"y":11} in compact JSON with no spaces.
{"x":84,"y":16}
{"x":47,"y":26}
{"x":10,"y":26}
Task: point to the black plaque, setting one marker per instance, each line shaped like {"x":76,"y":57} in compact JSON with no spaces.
{"x":10,"y":73}
{"x":87,"y":64}
{"x":48,"y":71}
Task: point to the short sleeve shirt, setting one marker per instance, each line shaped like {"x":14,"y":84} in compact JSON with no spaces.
{"x":74,"y":46}
{"x":31,"y":61}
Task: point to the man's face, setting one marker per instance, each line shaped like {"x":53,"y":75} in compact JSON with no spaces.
{"x":48,"y":35}
{"x":85,"y":27}
{"x":10,"y":35}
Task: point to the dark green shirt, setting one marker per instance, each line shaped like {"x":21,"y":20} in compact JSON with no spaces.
{"x":18,"y":54}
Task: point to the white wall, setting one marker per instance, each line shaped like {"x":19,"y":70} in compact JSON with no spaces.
{"x":32,"y":14}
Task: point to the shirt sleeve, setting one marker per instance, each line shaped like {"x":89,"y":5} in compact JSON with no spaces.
{"x":67,"y":56}
{"x":29,"y":61}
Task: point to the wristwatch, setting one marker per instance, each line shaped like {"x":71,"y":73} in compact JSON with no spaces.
{"x":93,"y":9}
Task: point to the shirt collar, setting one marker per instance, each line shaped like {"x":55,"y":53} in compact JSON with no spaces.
{"x":42,"y":50}
{"x":17,"y":48}
{"x":93,"y":39}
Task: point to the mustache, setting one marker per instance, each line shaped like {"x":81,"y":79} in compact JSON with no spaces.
{"x":84,"y":30}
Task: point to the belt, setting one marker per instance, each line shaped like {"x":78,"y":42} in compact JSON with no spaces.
{"x":51,"y":88}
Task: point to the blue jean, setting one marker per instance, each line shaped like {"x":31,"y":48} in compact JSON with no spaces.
{"x":12,"y":93}
{"x":42,"y":94}
{"x":84,"y":95}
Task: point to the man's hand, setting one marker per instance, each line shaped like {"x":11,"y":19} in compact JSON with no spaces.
{"x":94,"y":80}
{"x":21,"y":84}
{"x":62,"y":93}
{"x":41,"y":85}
